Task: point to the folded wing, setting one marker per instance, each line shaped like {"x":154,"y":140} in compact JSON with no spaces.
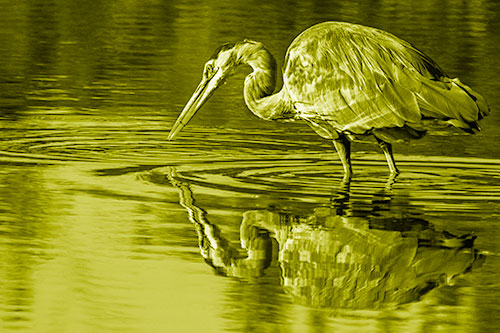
{"x":353,"y":79}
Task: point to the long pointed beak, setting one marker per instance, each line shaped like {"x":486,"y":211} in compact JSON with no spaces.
{"x":202,"y":93}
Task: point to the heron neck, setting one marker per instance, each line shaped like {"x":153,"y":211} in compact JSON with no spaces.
{"x":260,"y":84}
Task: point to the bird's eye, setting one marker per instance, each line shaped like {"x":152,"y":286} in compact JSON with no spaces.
{"x":209,"y":70}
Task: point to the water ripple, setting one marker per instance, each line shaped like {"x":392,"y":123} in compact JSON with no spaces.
{"x":246,"y":163}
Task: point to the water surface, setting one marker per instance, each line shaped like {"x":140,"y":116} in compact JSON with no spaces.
{"x":239,"y":224}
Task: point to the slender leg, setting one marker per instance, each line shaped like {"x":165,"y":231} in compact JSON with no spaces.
{"x":387,"y":149}
{"x":343,"y":147}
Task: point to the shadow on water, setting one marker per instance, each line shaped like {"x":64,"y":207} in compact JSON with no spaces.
{"x":341,"y":255}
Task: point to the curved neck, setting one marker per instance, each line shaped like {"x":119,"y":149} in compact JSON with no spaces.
{"x":260,"y":84}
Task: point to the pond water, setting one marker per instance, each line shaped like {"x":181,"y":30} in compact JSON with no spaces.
{"x":239,"y":224}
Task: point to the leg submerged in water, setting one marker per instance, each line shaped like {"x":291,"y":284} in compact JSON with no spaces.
{"x":343,"y":147}
{"x":387,"y":149}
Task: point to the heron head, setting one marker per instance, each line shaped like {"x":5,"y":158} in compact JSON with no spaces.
{"x":217,"y":68}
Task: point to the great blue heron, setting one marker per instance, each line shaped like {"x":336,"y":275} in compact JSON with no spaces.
{"x":345,"y":80}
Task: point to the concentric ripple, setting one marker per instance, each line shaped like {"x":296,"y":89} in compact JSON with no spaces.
{"x":308,"y":175}
{"x":143,"y":143}
{"x":243,"y":162}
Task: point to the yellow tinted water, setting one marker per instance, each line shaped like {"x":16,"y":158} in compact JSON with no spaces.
{"x":240,"y":224}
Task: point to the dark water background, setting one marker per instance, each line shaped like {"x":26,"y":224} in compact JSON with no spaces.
{"x":104,"y":225}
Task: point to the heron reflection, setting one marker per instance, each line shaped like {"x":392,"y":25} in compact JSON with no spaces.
{"x":337,"y":256}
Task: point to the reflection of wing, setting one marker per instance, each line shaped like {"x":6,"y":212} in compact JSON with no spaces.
{"x":342,"y":263}
{"x":344,"y":77}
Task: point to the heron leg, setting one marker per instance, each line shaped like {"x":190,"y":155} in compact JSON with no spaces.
{"x":387,"y":149}
{"x":343,"y":147}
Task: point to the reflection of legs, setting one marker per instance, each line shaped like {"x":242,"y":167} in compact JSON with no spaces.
{"x":390,"y":182}
{"x":343,"y":146}
{"x":387,"y":149}
{"x":340,"y":201}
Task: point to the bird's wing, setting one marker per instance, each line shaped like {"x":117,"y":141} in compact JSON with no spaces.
{"x":356,"y":78}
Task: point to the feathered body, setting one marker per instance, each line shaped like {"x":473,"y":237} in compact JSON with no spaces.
{"x":346,"y":80}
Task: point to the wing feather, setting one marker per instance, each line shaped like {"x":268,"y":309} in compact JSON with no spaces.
{"x":358,"y":79}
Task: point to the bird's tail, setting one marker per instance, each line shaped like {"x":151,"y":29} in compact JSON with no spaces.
{"x":452,"y":103}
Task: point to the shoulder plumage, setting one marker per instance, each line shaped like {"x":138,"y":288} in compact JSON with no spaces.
{"x":345,"y":43}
